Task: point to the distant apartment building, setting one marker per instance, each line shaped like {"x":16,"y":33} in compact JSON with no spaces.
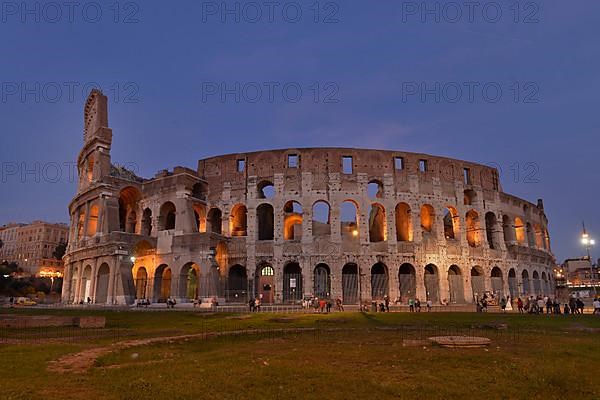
{"x":31,"y":245}
{"x":579,"y":271}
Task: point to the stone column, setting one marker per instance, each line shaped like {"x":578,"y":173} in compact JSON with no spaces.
{"x":444,"y":285}
{"x":113,"y":265}
{"x":421,"y":292}
{"x":93,"y":276}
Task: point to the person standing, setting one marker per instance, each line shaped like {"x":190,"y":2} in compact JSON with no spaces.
{"x":509,"y":306}
{"x":580,"y":305}
{"x":548,"y":305}
{"x":411,"y":305}
{"x":417,"y":305}
{"x":386,"y":300}
{"x":596,"y":306}
{"x":520,"y":305}
{"x":429,"y":305}
{"x":503,"y":304}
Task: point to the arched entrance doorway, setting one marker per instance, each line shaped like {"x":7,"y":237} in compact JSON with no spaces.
{"x":432,"y":283}
{"x":350,"y":284}
{"x":537,"y":287}
{"x":322,"y":281}
{"x":86,"y":284}
{"x":292,"y":283}
{"x":455,"y":285}
{"x":189,"y":282}
{"x":237,"y":284}
{"x":407,"y":282}
{"x":477,"y":282}
{"x":141,"y":282}
{"x":102,"y":284}
{"x":379,"y":281}
{"x":497,"y":282}
{"x":513,"y":286}
{"x":162,"y":283}
{"x":525,"y":279}
{"x":264,"y":283}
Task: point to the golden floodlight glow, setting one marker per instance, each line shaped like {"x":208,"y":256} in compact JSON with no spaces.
{"x":355,"y":232}
{"x":50,"y":274}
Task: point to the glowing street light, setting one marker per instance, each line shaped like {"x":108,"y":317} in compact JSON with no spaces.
{"x":588,"y":242}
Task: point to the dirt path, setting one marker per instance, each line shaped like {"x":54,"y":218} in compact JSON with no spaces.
{"x":82,"y":361}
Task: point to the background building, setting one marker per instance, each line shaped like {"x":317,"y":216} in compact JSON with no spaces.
{"x":31,"y":246}
{"x":358,"y":224}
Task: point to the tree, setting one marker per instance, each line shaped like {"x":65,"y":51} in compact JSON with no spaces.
{"x":59,"y":251}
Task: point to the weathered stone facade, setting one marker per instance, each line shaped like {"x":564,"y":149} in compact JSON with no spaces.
{"x":280,"y":224}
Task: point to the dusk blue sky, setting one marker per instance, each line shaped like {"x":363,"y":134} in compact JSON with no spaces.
{"x":373,"y":56}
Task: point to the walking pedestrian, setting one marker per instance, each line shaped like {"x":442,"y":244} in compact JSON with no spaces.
{"x":503,"y":304}
{"x":520,"y":305}
{"x":596,"y":304}
{"x":429,"y":305}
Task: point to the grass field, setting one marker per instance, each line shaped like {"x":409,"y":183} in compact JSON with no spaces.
{"x":176,"y":355}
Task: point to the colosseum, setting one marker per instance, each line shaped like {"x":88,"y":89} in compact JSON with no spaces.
{"x":354,"y":224}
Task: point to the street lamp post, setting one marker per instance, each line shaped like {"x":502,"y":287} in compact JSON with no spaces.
{"x":588,"y":242}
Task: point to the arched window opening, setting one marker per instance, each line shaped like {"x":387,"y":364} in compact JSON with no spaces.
{"x":407,"y":282}
{"x":321,"y":225}
{"x":214,"y":220}
{"x":131,"y":222}
{"x":473,"y":228}
{"x":266,"y":190}
{"x":404,"y":231}
{"x":167,"y":216}
{"x":375,"y":189}
{"x":455,"y":285}
{"x":349,"y":220}
{"x":200,"y":217}
{"x":92,"y":227}
{"x":377,"y":224}
{"x":147,"y":222}
{"x":80,"y":224}
{"x":427,"y":220}
{"x":200,"y":191}
{"x":470,"y":197}
{"x":490,"y":229}
{"x":102,"y":279}
{"x":292,"y":221}
{"x":379,"y":281}
{"x":519,"y":231}
{"x":129,"y":198}
{"x":451,"y":223}
{"x":239,"y":220}
{"x":90,"y":169}
{"x":539,"y":236}
{"x":266,"y":220}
